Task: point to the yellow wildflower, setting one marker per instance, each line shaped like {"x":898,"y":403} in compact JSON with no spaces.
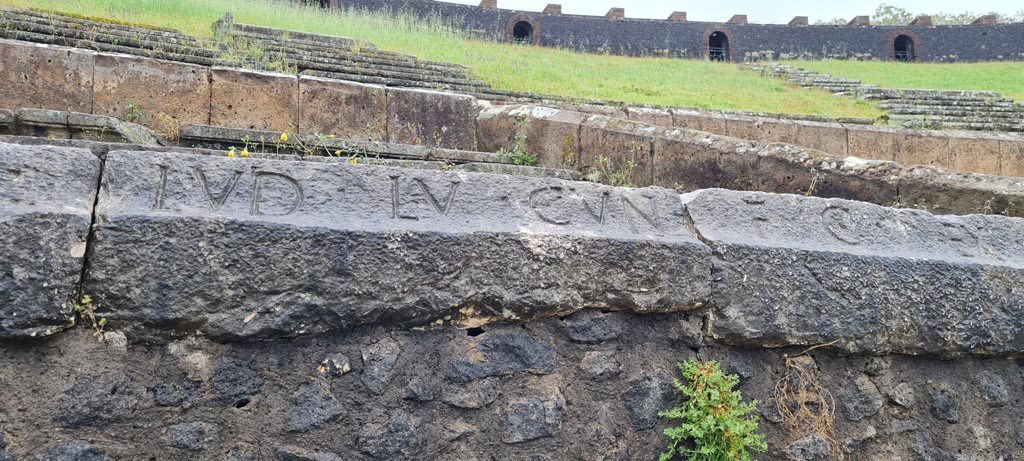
{"x":284,"y":137}
{"x":231,"y":152}
{"x":245,"y":152}
{"x":353,"y":160}
{"x":337,"y":153}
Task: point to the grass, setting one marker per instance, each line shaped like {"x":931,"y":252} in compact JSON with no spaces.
{"x":674,"y":82}
{"x":1004,"y":77}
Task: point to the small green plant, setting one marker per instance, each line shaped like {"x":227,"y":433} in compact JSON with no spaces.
{"x":518,"y":155}
{"x":86,"y":310}
{"x":717,"y":426}
{"x":609,"y":174}
{"x":132,"y":113}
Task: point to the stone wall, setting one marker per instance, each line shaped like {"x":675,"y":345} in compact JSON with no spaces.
{"x":277,"y":309}
{"x":165,"y":95}
{"x":996,"y":42}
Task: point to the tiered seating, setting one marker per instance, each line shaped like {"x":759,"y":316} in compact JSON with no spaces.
{"x":909,"y":108}
{"x":310,"y":54}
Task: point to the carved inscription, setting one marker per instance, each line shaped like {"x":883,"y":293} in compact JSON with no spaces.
{"x":216,"y":196}
{"x":839,"y":222}
{"x":558,"y":205}
{"x":441,"y":205}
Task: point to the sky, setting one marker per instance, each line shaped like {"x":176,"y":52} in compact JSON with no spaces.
{"x":757,"y":11}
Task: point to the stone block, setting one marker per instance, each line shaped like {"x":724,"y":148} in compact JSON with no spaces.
{"x":553,"y":135}
{"x":45,"y":77}
{"x":253,"y":100}
{"x":687,"y":160}
{"x":951,"y":192}
{"x":923,"y":148}
{"x":344,"y":109}
{"x":1011,"y":156}
{"x":432,"y":118}
{"x":257,"y":248}
{"x":625,"y":147}
{"x":701,"y":121}
{"x":974,"y":153}
{"x":656,"y":117}
{"x":742,"y":127}
{"x":798,"y":271}
{"x":828,"y":137}
{"x":161,"y":95}
{"x":785,"y":131}
{"x":872,"y":143}
{"x":46,"y":200}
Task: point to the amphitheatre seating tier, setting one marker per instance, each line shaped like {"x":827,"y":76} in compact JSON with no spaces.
{"x":917,"y":108}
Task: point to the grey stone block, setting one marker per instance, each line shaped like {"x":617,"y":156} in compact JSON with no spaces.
{"x":799,"y":271}
{"x":253,"y":248}
{"x":46,"y":200}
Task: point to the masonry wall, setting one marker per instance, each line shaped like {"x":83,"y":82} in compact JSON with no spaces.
{"x":747,"y":41}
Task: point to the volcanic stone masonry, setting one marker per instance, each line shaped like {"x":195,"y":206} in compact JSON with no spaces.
{"x":261,"y":308}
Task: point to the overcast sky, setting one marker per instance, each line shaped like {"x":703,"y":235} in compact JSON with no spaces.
{"x":759,"y":11}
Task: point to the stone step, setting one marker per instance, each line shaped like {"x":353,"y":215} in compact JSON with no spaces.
{"x":220,"y":138}
{"x":372,"y":71}
{"x":69,"y":35}
{"x":103,"y":47}
{"x":394,"y":82}
{"x":114,"y":27}
{"x":976,"y":124}
{"x":965,"y":105}
{"x":952,"y":112}
{"x":370,"y":57}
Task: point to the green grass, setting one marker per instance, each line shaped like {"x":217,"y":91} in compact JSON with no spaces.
{"x":674,"y":82}
{"x":1004,"y":77}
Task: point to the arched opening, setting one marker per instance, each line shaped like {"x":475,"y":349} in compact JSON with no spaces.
{"x":718,"y":46}
{"x":522,"y":32}
{"x":903,"y":49}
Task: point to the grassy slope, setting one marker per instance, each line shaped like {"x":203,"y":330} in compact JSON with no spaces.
{"x":674,"y":82}
{"x":1004,"y":77}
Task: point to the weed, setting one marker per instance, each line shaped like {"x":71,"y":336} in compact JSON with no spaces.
{"x":806,"y":407}
{"x":717,"y":426}
{"x":517,"y":153}
{"x":132,"y":113}
{"x":86,"y":311}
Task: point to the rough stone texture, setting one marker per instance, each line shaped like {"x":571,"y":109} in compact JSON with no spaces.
{"x":46,"y":201}
{"x":314,"y":406}
{"x":94,"y":401}
{"x":945,"y":406}
{"x":589,"y":419}
{"x":925,"y":148}
{"x":623,"y":143}
{"x":289,"y":453}
{"x":647,"y":395}
{"x":323,"y":238}
{"x":157,"y":94}
{"x":529,"y":419}
{"x":810,"y":448}
{"x":45,"y":77}
{"x":431,"y":118}
{"x":346,"y":109}
{"x":593,"y":327}
{"x":872,"y":143}
{"x":503,"y":352}
{"x":701,"y":121}
{"x":978,"y":154}
{"x":828,"y":137}
{"x":253,"y":100}
{"x":378,"y":361}
{"x":77,"y":450}
{"x":873,"y":279}
{"x":395,"y":438}
{"x":657,"y":117}
{"x":1011,"y":157}
{"x":860,"y":399}
{"x":193,"y":436}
